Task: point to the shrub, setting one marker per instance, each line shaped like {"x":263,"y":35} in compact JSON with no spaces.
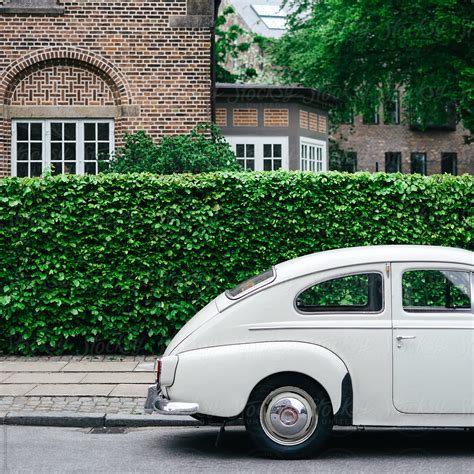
{"x":203,"y":150}
{"x":121,"y":262}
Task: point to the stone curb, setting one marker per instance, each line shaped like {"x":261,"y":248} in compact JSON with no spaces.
{"x":73,"y":420}
{"x":94,"y":420}
{"x":139,"y":421}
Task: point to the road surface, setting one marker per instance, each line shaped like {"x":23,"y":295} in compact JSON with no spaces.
{"x":191,"y":449}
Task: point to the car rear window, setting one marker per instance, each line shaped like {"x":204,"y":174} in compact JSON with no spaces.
{"x":350,"y":293}
{"x":252,"y":284}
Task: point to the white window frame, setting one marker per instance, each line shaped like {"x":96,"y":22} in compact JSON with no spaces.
{"x":259,"y":143}
{"x":46,"y":139}
{"x":316,"y":145}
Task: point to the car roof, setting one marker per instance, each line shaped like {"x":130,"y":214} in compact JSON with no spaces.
{"x":331,"y":259}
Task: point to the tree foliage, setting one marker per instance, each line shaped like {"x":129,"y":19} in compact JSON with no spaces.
{"x":232,"y":41}
{"x":203,"y":150}
{"x":362,"y":51}
{"x":119,"y":263}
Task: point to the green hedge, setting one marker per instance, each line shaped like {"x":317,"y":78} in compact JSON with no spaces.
{"x":120,"y":262}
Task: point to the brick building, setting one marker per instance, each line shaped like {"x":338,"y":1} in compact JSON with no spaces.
{"x":75,"y":75}
{"x":383,"y":142}
{"x":386,"y":143}
{"x":275,"y":127}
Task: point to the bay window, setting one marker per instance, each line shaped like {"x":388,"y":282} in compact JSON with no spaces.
{"x":260,"y":153}
{"x":312,"y":155}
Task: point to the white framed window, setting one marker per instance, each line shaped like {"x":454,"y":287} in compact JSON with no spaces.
{"x":313,"y":155}
{"x":62,"y":146}
{"x":261,"y":153}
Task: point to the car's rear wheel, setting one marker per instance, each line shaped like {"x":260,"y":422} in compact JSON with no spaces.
{"x":288,"y":416}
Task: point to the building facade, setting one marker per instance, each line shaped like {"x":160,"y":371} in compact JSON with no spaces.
{"x":76,"y":75}
{"x":275,"y":127}
{"x":385,"y":142}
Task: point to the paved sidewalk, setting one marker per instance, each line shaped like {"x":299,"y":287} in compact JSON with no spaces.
{"x":106,"y":386}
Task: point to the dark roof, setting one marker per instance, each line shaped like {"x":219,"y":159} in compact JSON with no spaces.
{"x":271,"y":93}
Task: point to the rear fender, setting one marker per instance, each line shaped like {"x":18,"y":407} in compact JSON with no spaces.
{"x":221,"y":378}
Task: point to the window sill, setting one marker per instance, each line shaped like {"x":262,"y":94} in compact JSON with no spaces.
{"x":54,"y":11}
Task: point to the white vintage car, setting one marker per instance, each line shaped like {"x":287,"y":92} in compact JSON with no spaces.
{"x":368,"y":336}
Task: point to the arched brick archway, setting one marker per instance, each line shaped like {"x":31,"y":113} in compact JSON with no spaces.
{"x":73,"y":57}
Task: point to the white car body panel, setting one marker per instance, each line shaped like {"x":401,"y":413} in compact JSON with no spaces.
{"x":231,"y":345}
{"x":442,"y":348}
{"x":229,"y":373}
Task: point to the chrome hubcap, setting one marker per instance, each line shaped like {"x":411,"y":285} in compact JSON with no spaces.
{"x":289,"y":416}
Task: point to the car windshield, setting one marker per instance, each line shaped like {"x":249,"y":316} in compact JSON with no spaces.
{"x":259,"y":280}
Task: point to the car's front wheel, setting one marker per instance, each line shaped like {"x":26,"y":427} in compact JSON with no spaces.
{"x":288,"y":416}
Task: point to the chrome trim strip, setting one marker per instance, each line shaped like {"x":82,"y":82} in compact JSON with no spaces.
{"x":269,"y":328}
{"x":255,"y":288}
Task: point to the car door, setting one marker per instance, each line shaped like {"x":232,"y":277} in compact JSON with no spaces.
{"x":433,"y":338}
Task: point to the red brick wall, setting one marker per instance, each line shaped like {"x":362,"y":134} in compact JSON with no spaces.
{"x":245,"y":118}
{"x":276,"y":118}
{"x":62,"y":85}
{"x":135,"y":53}
{"x":221,"y":117}
{"x":371,"y":142}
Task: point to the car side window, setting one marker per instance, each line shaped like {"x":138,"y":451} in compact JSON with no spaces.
{"x":436,"y":290}
{"x":362,"y":292}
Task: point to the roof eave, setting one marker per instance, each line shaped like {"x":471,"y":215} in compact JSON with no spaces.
{"x":264,"y":93}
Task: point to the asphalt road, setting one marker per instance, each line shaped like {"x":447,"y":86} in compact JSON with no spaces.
{"x":30,"y":449}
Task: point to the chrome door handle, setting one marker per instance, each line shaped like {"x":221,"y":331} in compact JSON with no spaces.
{"x":401,"y":338}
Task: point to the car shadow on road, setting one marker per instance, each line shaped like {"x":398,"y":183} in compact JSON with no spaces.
{"x":343,"y":444}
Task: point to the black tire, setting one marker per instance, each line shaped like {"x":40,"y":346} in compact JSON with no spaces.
{"x":260,"y":424}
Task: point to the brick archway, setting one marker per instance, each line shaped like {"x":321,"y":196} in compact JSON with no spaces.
{"x":37,"y":60}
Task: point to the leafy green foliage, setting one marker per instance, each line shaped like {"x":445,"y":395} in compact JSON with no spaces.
{"x":362,"y":51}
{"x":121,"y":262}
{"x":232,"y":41}
{"x":204,"y":149}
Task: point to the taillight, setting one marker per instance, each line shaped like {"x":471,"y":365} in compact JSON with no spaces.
{"x":158,"y":370}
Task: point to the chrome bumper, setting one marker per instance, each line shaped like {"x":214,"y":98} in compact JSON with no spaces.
{"x":155,"y":402}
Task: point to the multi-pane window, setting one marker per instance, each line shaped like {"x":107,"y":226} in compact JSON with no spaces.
{"x":272,"y":157}
{"x":436,"y":290}
{"x":273,"y":16}
{"x":96,"y":144}
{"x":312,"y":155}
{"x":28,"y":148}
{"x":62,"y":146}
{"x":392,"y":109}
{"x":245,"y":154}
{"x":371,"y":118}
{"x":393,"y":162}
{"x":449,"y":163}
{"x":351,"y":293}
{"x":349,"y":163}
{"x":260,"y":153}
{"x":418,"y":163}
